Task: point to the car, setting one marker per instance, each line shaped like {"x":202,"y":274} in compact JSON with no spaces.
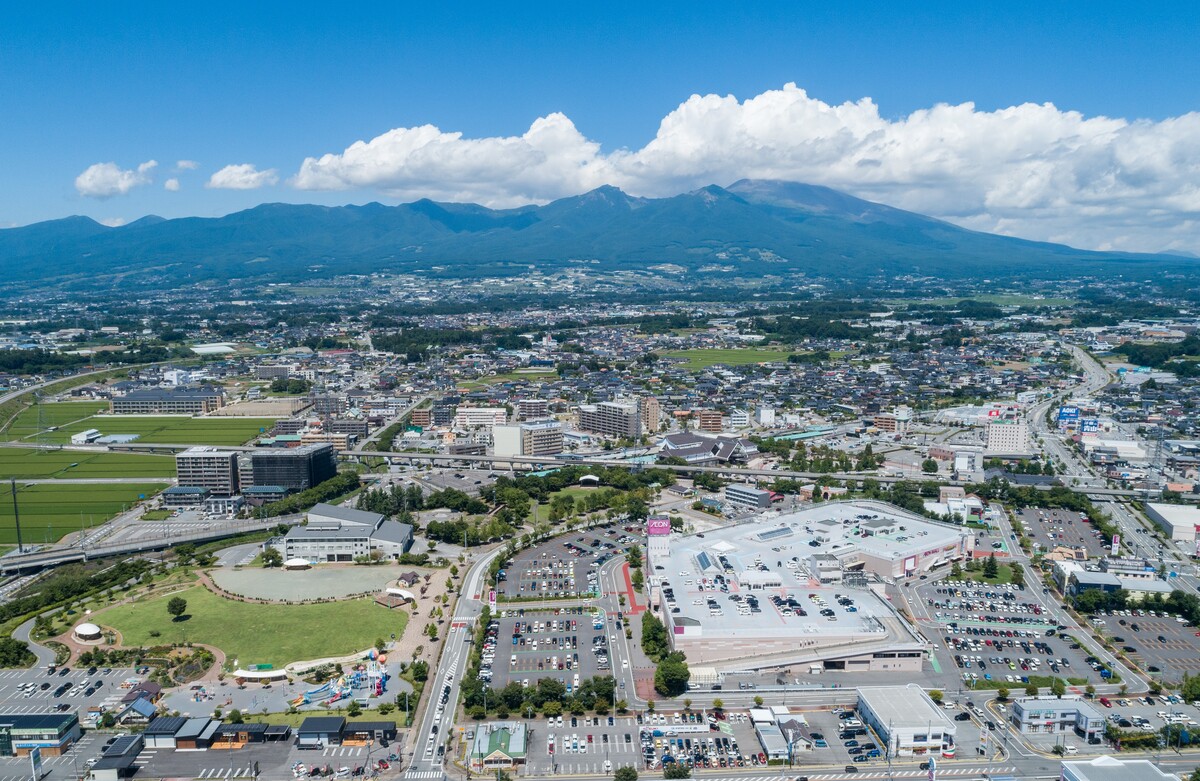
{"x":851,"y":769}
{"x":861,"y":758}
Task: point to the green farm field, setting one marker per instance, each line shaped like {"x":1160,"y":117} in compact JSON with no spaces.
{"x":52,"y":414}
{"x":150,"y":429}
{"x":258,"y":634}
{"x":50,"y":511}
{"x":20,"y":462}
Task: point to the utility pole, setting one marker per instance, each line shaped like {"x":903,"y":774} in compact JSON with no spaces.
{"x":16,"y":514}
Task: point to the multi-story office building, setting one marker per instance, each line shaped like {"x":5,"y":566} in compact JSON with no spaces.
{"x":167,"y":401}
{"x":442,"y":413}
{"x":295,"y":468}
{"x":747,"y":496}
{"x":1046,"y":715}
{"x":895,"y":422}
{"x":422,"y":417}
{"x":612,"y":418}
{"x":51,"y":733}
{"x":210,"y":468}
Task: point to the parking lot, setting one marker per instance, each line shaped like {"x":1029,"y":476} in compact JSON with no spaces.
{"x":1159,"y":644}
{"x":1001,"y":634}
{"x":569,"y":644}
{"x":566,"y":567}
{"x":1052,"y":529}
{"x":35,"y":691}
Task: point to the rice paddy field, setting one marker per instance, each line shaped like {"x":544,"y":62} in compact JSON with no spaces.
{"x":49,"y":511}
{"x":29,"y":463}
{"x":69,"y":418}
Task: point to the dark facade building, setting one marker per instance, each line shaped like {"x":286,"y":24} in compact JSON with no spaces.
{"x":294,"y":468}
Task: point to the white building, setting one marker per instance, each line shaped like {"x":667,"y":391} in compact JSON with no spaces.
{"x":532,"y":438}
{"x":1008,"y":436}
{"x":474,"y":417}
{"x":1109,"y":768}
{"x":907,"y":720}
{"x":739,"y":418}
{"x":340,"y":534}
{"x":1178,"y":520}
{"x":765,"y":416}
{"x":85,"y":437}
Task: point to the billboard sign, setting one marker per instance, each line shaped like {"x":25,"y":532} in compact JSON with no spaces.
{"x":1116,"y":546}
{"x":658,"y":525}
{"x":35,"y":761}
{"x":492,"y":599}
{"x":1089,"y":425}
{"x":1068,"y":414}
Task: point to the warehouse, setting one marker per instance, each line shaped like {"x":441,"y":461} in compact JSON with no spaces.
{"x":1178,"y":521}
{"x":801,"y":588}
{"x":906,"y":720}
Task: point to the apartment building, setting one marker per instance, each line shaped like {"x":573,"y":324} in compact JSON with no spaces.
{"x":651,"y":412}
{"x":533,"y":409}
{"x":612,"y":418}
{"x":1008,"y":436}
{"x":294,"y":468}
{"x":208,"y":468}
{"x":532,"y":438}
{"x":709,"y":420}
{"x":473,"y":417}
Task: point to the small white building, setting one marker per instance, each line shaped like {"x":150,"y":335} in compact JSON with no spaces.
{"x":907,"y":720}
{"x":85,"y":437}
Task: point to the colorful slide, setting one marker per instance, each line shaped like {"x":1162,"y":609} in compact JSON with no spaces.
{"x":309,"y":696}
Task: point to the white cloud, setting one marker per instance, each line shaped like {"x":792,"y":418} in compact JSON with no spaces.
{"x":104,"y":180}
{"x":114,"y":222}
{"x":186,"y":165}
{"x":1031,"y":170}
{"x":243,"y":176}
{"x":171,"y":185}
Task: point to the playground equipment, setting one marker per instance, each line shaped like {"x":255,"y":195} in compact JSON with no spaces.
{"x":371,"y":675}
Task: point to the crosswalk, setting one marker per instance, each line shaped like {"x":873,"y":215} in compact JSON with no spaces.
{"x":229,"y":772}
{"x":344,"y":751}
{"x":411,"y":773}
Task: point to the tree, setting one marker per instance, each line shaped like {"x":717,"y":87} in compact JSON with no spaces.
{"x":1058,"y":687}
{"x":380,"y":644}
{"x":671,"y":676}
{"x":1017,"y":578}
{"x":625,"y":773}
{"x":929,"y":466}
{"x":1002,"y":693}
{"x":677,"y":770}
{"x":936,"y":695}
{"x":271,"y":557}
{"x":1031,"y":690}
{"x":758,"y":701}
{"x":687,"y":704}
{"x":990,"y":567}
{"x":1090,"y":691}
{"x":622,"y":706}
{"x":177,"y":606}
{"x":353,"y":709}
{"x":650,"y":706}
{"x":235,"y":717}
{"x":955,"y":571}
{"x":718,"y":704}
{"x":14,"y":653}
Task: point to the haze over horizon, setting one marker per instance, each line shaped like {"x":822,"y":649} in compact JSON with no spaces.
{"x":1066,"y":124}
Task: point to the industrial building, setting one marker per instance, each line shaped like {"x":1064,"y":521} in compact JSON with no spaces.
{"x":612,"y":418}
{"x":717,"y":593}
{"x":167,"y":401}
{"x":909,"y":723}
{"x":209,"y":468}
{"x":339,"y":534}
{"x":1178,"y":521}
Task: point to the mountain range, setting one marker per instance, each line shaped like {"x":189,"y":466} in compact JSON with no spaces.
{"x":753,"y":228}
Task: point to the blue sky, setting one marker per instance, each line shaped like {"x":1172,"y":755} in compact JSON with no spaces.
{"x":273,"y":84}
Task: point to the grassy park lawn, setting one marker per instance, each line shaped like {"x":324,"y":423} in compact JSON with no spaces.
{"x":52,"y":414}
{"x":702,"y":358}
{"x":172,"y":430}
{"x":1003,"y":575}
{"x":527,"y":375}
{"x":258,"y":634}
{"x":22,"y":462}
{"x":50,"y":511}
{"x":543,"y":508}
